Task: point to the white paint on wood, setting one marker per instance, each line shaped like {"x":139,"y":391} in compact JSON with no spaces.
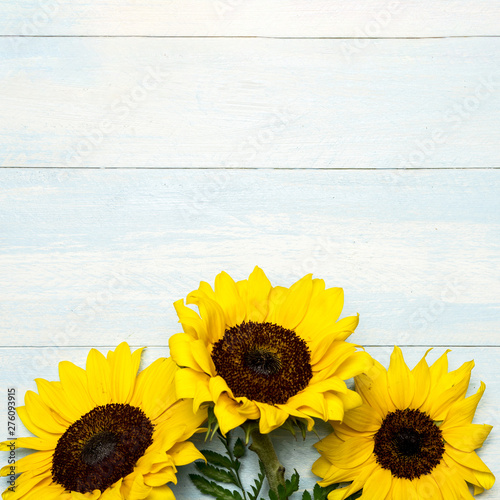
{"x":278,"y":18}
{"x":89,"y":257}
{"x":187,"y":103}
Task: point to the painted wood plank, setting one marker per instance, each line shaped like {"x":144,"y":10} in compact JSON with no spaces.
{"x":19,"y":370}
{"x":184,"y":103}
{"x":285,"y":18}
{"x":89,"y":257}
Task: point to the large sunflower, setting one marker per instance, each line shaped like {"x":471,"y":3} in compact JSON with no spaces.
{"x":263,"y":352}
{"x":104,"y":432}
{"x":412,"y":438}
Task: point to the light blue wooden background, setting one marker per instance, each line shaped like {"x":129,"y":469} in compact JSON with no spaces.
{"x":147,"y":145}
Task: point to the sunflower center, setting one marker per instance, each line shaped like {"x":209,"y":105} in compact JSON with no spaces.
{"x":408,"y":444}
{"x":263,"y":362}
{"x":101,"y":447}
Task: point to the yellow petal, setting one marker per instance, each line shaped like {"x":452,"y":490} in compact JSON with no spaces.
{"x":462,"y":412}
{"x":122,"y":374}
{"x":271,"y":417}
{"x":212,"y":315}
{"x":75,"y":386}
{"x":469,"y":460}
{"x":217,"y":385}
{"x":258,"y":290}
{"x":227,"y":296}
{"x":161,"y":493}
{"x":439,"y":406}
{"x":373,"y":389}
{"x":37,"y":411}
{"x":191,"y":323}
{"x":422,"y":379}
{"x":485,"y":479}
{"x":351,"y":453}
{"x":356,"y":363}
{"x":48,"y":442}
{"x":467,"y":437}
{"x":427,"y":488}
{"x":323,"y":311}
{"x":403,"y":489}
{"x":137,"y":489}
{"x":400,"y":380}
{"x":98,"y":378}
{"x":40,"y":460}
{"x":185,"y":453}
{"x":191,"y":384}
{"x":113,"y":493}
{"x":181,"y":351}
{"x":53,"y":396}
{"x":228,"y":416}
{"x":159,"y":393}
{"x":363,"y":419}
{"x":294,"y":306}
{"x":345,"y":327}
{"x":378,"y":484}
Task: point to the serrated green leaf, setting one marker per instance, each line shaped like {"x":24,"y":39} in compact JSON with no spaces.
{"x":282,"y":492}
{"x":215,"y":458}
{"x":258,"y":483}
{"x":239,"y":448}
{"x":214,"y":490}
{"x":216,"y":474}
{"x":273,"y":495}
{"x":306,"y":496}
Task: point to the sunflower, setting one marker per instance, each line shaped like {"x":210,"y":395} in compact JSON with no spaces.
{"x":104,"y":432}
{"x":267,"y":353}
{"x":412,"y":438}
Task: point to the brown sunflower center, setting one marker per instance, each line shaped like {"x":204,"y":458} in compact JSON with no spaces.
{"x":101,"y":447}
{"x":263,"y":362}
{"x":409,"y":444}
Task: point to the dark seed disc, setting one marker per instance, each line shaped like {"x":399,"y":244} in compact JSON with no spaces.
{"x":101,"y":447}
{"x":263,"y":362}
{"x":409,"y":444}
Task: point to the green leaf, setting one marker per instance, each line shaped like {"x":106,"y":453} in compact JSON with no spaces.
{"x":239,"y":448}
{"x":218,"y":475}
{"x":258,"y":483}
{"x":294,"y":482}
{"x":306,"y":496}
{"x":217,"y":459}
{"x":213,"y":489}
{"x":273,"y":495}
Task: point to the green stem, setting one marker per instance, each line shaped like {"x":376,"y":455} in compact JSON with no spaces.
{"x":275,"y":472}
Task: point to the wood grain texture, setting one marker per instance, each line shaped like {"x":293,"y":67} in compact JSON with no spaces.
{"x":93,"y":257}
{"x":276,"y":18}
{"x":22,"y":365}
{"x":249,"y":103}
